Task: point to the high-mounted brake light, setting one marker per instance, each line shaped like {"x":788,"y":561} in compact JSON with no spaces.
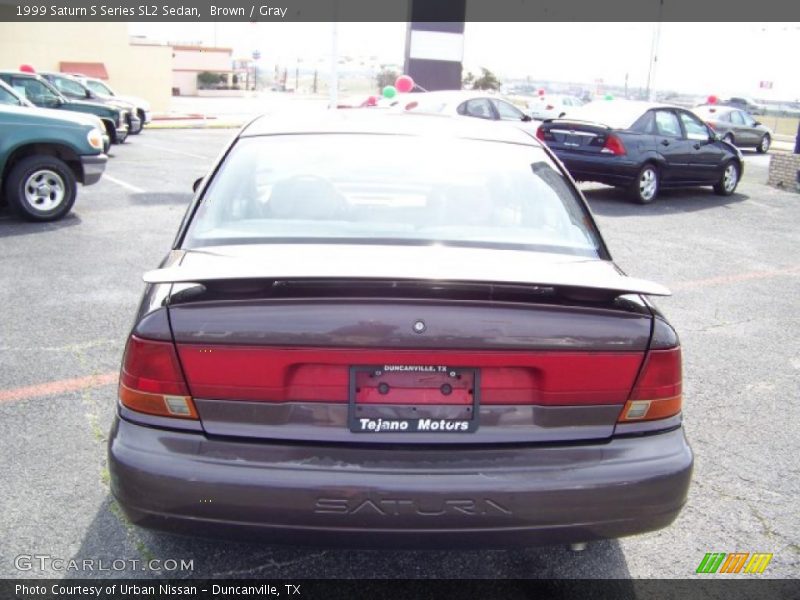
{"x":152,"y":381}
{"x":614,"y":146}
{"x":657,"y":393}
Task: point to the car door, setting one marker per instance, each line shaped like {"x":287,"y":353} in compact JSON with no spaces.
{"x":750,"y":128}
{"x":707,"y":155}
{"x":739,"y":129}
{"x":673,"y":147}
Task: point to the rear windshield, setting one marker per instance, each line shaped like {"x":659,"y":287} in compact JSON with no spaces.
{"x":617,"y":114}
{"x":355,"y":188}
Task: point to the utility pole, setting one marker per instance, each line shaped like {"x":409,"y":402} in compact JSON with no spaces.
{"x":333,"y":88}
{"x":651,"y":71}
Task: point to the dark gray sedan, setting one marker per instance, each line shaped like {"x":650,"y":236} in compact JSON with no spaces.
{"x":387,"y":329}
{"x":736,"y":126}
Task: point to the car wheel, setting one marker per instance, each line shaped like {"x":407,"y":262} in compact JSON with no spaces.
{"x":729,"y":180}
{"x":134,"y":130}
{"x":728,"y":138}
{"x":645,"y":187}
{"x":41,"y":188}
{"x":763,"y":147}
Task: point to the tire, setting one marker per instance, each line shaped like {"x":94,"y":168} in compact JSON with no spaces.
{"x":729,"y":180}
{"x":112,"y":133}
{"x":763,"y":146}
{"x":41,"y":188}
{"x":646,"y":185}
{"x":132,"y":130}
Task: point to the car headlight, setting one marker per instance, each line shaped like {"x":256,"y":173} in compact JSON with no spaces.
{"x":95,"y":139}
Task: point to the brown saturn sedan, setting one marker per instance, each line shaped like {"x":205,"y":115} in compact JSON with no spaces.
{"x":397,"y":330}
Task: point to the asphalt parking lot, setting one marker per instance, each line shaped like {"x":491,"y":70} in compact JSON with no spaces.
{"x":68,"y":294}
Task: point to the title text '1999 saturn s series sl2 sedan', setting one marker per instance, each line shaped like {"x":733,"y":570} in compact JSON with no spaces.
{"x":397,"y":330}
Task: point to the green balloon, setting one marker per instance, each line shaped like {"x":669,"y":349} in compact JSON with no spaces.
{"x":609,"y":97}
{"x":389,"y":91}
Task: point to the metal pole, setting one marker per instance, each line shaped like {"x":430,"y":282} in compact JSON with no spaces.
{"x":651,"y":71}
{"x":333,"y":101}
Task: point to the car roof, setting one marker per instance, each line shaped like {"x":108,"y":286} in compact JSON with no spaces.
{"x":19,"y":73}
{"x":369,"y":121}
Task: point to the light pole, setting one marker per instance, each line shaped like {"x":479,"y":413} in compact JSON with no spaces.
{"x":651,"y":71}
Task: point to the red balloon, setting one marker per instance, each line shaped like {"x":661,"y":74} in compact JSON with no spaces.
{"x":27,"y":69}
{"x":404,"y":84}
{"x":712,"y":99}
{"x":541,"y":91}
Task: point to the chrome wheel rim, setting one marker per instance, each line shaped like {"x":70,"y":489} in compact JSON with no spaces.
{"x":648,"y":183}
{"x":730,"y":178}
{"x":44,"y":190}
{"x":765,"y":143}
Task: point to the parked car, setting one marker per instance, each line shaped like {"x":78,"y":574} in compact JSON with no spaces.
{"x":43,"y":155}
{"x":41,"y":93}
{"x":473,"y":104}
{"x":103,"y":90}
{"x":378,"y":328}
{"x":736,"y":126}
{"x":552,"y":106}
{"x":746,"y":104}
{"x":74,"y":89}
{"x":642,"y":147}
{"x":9,"y":97}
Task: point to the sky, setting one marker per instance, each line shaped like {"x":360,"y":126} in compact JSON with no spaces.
{"x":701,"y":58}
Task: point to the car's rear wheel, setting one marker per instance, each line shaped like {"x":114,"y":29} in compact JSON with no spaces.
{"x":41,"y":188}
{"x":645,"y":187}
{"x":729,"y":180}
{"x":763,"y":146}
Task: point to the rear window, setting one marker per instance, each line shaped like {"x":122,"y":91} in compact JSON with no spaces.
{"x":355,"y":188}
{"x":618,"y":114}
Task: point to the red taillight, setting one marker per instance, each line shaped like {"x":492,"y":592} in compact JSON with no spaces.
{"x":540,"y":133}
{"x":657,"y":393}
{"x":614,"y":146}
{"x":151,"y":380}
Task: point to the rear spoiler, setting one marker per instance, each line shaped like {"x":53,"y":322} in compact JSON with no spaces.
{"x":581,"y":121}
{"x":598,"y":275}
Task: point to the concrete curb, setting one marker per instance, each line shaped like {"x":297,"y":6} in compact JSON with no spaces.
{"x":184,"y":125}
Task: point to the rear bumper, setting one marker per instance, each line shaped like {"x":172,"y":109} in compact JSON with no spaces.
{"x":398,"y":496}
{"x":611,"y":170}
{"x":93,"y":168}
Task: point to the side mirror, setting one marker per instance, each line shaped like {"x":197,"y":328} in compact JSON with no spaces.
{"x":526,"y":117}
{"x":197,"y":183}
{"x":757,"y":123}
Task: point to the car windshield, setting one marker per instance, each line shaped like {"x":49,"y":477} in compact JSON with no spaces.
{"x":392,"y":189}
{"x":98,"y":88}
{"x":6,"y":97}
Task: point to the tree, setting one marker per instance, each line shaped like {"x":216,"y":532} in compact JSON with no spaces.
{"x":486,"y":81}
{"x":207,"y":79}
{"x":386,"y":77}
